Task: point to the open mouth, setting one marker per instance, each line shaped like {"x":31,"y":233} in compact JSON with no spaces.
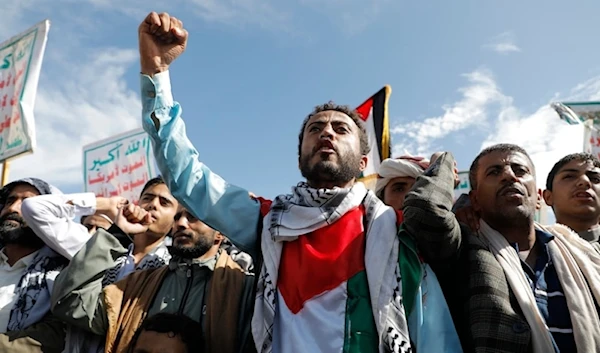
{"x":583,"y":195}
{"x":512,"y":192}
{"x":325,"y":147}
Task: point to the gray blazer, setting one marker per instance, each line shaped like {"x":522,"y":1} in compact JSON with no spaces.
{"x":486,"y":314}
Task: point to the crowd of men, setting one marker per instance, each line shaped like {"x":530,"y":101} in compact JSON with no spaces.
{"x":201,"y":265}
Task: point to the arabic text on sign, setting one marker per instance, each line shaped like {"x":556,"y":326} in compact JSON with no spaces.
{"x":12,"y":81}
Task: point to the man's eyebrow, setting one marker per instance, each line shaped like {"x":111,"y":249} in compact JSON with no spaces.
{"x":568,"y":170}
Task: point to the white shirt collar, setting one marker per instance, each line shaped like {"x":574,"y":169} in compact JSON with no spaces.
{"x":25,"y":261}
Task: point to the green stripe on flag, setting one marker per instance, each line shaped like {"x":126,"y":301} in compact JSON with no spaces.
{"x":361,"y":333}
{"x":410,"y":269}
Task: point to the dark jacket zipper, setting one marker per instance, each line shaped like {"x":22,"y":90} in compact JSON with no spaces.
{"x":188,"y":287}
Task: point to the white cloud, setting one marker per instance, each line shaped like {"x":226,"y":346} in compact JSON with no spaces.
{"x":471,"y":110}
{"x":541,"y":133}
{"x":504,"y":43}
{"x":77,"y":105}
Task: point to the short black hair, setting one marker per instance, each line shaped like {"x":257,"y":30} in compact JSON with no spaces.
{"x":188,"y":330}
{"x":501,"y":147}
{"x":581,"y":157}
{"x":154,"y":181}
{"x":352,"y":113}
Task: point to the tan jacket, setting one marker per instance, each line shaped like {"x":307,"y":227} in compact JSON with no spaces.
{"x":127,"y":303}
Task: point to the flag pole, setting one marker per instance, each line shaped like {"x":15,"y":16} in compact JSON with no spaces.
{"x":5,"y":168}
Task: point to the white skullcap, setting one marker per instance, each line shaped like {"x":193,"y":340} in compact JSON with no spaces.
{"x":405,"y":166}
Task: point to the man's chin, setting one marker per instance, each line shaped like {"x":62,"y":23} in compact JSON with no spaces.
{"x":20,"y":236}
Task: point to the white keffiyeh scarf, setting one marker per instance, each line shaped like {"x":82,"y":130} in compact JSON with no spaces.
{"x":578,"y":267}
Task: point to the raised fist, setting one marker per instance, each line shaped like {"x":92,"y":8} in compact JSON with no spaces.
{"x":133,"y":219}
{"x":161,"y":39}
{"x":437,"y":155}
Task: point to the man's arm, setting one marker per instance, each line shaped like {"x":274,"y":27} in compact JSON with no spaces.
{"x":52,"y":218}
{"x":46,"y":336}
{"x":428,"y":213}
{"x":77,"y":296}
{"x":223,"y":206}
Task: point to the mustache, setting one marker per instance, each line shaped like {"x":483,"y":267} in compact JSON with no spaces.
{"x":13,"y":217}
{"x":519,"y":188}
{"x":182,"y":233}
{"x":320,"y":145}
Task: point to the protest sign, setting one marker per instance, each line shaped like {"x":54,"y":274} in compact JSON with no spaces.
{"x":20,"y":65}
{"x":119,"y":166}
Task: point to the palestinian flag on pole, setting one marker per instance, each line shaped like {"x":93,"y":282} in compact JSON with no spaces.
{"x":374,"y":112}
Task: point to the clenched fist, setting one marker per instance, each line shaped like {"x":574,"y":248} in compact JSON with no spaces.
{"x":437,"y":155}
{"x":162,"y":39}
{"x":133,"y":219}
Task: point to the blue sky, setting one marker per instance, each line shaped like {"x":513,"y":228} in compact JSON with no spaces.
{"x":464,"y":74}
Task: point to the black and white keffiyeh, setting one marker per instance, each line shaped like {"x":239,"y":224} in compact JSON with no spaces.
{"x":308,"y":209}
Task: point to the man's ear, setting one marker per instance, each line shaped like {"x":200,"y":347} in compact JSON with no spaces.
{"x":363,"y":163}
{"x":539,"y":201}
{"x":548,"y":197}
{"x":474,"y":201}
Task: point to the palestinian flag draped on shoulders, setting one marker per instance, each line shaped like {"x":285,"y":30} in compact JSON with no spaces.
{"x":374,"y":112}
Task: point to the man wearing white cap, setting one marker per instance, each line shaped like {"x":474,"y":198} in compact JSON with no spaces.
{"x":396,"y":177}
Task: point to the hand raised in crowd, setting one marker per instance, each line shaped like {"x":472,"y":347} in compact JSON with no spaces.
{"x":437,"y":155}
{"x":161,"y":40}
{"x":133,"y":219}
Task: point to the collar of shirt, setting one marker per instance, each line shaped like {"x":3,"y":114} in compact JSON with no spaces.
{"x":23,"y":262}
{"x":591,"y":235}
{"x":181,"y":262}
{"x":542,"y":239}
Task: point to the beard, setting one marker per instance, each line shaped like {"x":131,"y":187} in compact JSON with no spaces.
{"x":13,"y":230}
{"x":200,"y":246}
{"x":347,"y":168}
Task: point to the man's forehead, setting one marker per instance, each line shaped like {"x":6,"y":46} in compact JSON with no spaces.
{"x":160,"y":190}
{"x":580,"y":165}
{"x":23,"y":189}
{"x":504,"y":158}
{"x":329,"y":115}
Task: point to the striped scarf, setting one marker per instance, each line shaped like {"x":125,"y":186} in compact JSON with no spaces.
{"x":158,"y":257}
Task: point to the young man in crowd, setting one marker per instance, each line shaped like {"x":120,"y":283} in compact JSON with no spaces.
{"x":53,"y":217}
{"x":573,"y":192}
